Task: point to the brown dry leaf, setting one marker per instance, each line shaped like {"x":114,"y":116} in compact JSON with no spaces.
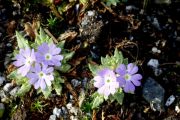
{"x":67,"y":36}
{"x":71,"y":90}
{"x":29,"y":30}
{"x":94,"y":115}
{"x":11,"y":26}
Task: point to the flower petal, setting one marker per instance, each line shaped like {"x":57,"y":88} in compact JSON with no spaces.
{"x":121,"y":69}
{"x":98,"y":81}
{"x":121,"y":81}
{"x":129,"y":87}
{"x":43,"y":84}
{"x":104,"y":90}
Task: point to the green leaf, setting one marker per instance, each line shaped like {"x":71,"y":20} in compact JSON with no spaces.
{"x":125,"y":61}
{"x":119,"y":96}
{"x":47,"y":91}
{"x":58,"y":88}
{"x":57,"y":84}
{"x":22,"y":42}
{"x":42,"y":38}
{"x":24,"y":89}
{"x":64,"y":68}
{"x":118,"y":57}
{"x":93,"y":68}
{"x":98,"y":100}
{"x":13,"y":75}
{"x":111,"y":2}
{"x":61,"y":44}
{"x":68,"y":56}
{"x":18,"y":78}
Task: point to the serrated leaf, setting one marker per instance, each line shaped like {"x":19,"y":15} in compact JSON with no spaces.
{"x":57,"y":84}
{"x":118,"y":57}
{"x":47,"y":91}
{"x":18,"y":78}
{"x":22,"y":42}
{"x":93,"y":68}
{"x":98,"y":100}
{"x":24,"y":89}
{"x":58,"y":88}
{"x":42,"y":38}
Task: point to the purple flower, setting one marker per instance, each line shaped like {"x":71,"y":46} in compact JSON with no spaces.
{"x":106,"y":82}
{"x":48,"y":54}
{"x":41,"y":76}
{"x":24,"y":60}
{"x":127,"y":77}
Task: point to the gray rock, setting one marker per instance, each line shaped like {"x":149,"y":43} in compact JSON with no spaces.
{"x":57,"y":112}
{"x":52,"y":117}
{"x":154,"y":94}
{"x":2,"y":79}
{"x":154,"y":63}
{"x":75,"y":82}
{"x":2,"y":108}
{"x":170,"y":100}
{"x":14,"y":91}
{"x":7,"y":87}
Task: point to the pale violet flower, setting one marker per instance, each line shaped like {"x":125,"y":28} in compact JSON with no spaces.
{"x":106,"y":82}
{"x":49,"y":54}
{"x":24,"y":60}
{"x":127,"y":77}
{"x":41,"y":76}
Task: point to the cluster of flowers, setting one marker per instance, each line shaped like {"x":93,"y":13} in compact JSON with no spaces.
{"x":108,"y":81}
{"x":38,"y":66}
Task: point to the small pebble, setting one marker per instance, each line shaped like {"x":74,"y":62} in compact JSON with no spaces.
{"x":90,"y":13}
{"x":7,"y":87}
{"x":2,"y":79}
{"x":75,"y":82}
{"x":14,"y":91}
{"x":73,"y":117}
{"x":177,"y":109}
{"x":153,"y":63}
{"x":52,"y":117}
{"x":157,"y":72}
{"x":155,"y":50}
{"x":57,"y":112}
{"x":170,"y":100}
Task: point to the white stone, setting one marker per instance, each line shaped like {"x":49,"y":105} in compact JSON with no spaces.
{"x":73,"y":118}
{"x":57,"y":112}
{"x":52,"y":117}
{"x":177,"y":109}
{"x":91,"y":13}
{"x":153,"y":63}
{"x":7,"y":87}
{"x":74,"y":110}
{"x":170,"y":100}
{"x":14,"y":91}
{"x":69,"y":106}
{"x":155,"y":50}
